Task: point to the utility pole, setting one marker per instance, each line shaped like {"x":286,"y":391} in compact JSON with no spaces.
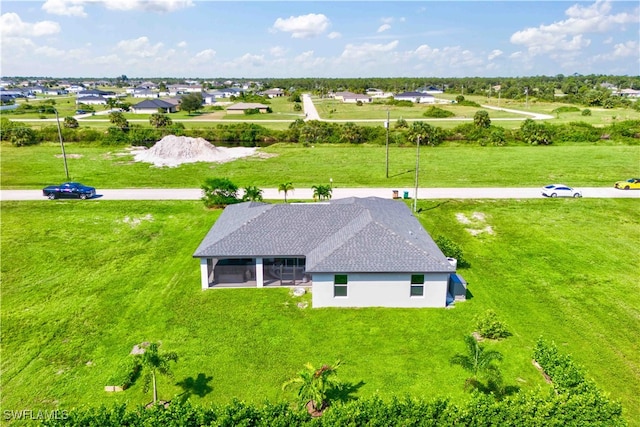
{"x":386,"y":125}
{"x":526,"y":93}
{"x":64,"y":155}
{"x":415,"y":194}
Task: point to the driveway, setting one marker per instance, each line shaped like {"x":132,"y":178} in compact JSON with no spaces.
{"x":338,"y":193}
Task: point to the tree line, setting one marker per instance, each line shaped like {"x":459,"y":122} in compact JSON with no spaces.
{"x":401,"y":133}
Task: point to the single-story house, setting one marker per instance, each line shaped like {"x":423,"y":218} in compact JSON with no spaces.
{"x":274,"y":93}
{"x":91,"y":100}
{"x":353,"y":252}
{"x":96,"y":92}
{"x":208,"y":98}
{"x":416,"y":97}
{"x":241,"y":106}
{"x":353,"y":98}
{"x":151,"y":106}
{"x":145,"y":93}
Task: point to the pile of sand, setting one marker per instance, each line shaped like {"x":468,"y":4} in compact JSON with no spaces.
{"x":174,"y":150}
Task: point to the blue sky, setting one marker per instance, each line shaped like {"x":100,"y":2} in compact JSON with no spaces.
{"x":208,"y":39}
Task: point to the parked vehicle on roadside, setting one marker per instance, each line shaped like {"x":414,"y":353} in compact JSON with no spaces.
{"x":630,"y":184}
{"x":560,"y":190}
{"x":69,"y":190}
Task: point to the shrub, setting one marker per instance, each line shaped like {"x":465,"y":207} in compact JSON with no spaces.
{"x":586,"y":112}
{"x":219,"y":192}
{"x":436,"y":112}
{"x":488,"y":325}
{"x":451,"y":250}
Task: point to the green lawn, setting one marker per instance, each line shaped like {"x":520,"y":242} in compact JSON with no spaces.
{"x":348,"y":165}
{"x":83,"y":282}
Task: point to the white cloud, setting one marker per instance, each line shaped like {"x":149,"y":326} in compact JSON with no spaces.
{"x":65,"y":7}
{"x":367,"y":50}
{"x":494,"y":54}
{"x":76,"y":7}
{"x":182,"y":44}
{"x":568,"y":35}
{"x":304,"y":26}
{"x":203,"y":56}
{"x":384,"y":27}
{"x":277,"y":51}
{"x":623,"y":50}
{"x":148,"y":5}
{"x":334,"y":35}
{"x":139,"y":47}
{"x":246,"y":60}
{"x":50,"y":52}
{"x":13,"y":26}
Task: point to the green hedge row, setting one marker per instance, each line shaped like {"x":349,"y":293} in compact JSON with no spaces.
{"x":315,"y":132}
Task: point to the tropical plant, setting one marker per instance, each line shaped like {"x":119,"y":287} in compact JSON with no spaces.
{"x":160,"y":120}
{"x":70,"y":122}
{"x":315,"y":384}
{"x":321,"y":192}
{"x":285,"y":187}
{"x":219,"y":192}
{"x":490,"y":327}
{"x":118,"y":120}
{"x":152,"y":362}
{"x":481,"y":119}
{"x":479,"y":362}
{"x":452,"y":250}
{"x":252,"y":193}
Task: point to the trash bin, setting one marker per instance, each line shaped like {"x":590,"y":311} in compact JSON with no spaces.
{"x":406,"y":194}
{"x":395,"y":194}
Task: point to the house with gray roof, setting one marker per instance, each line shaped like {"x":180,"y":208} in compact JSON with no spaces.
{"x":354,"y":252}
{"x":151,"y":106}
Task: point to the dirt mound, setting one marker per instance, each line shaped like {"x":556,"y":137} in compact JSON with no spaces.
{"x":175,"y":150}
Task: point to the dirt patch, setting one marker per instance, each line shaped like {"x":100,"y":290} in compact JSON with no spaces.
{"x":547,"y":378}
{"x":133,"y":222}
{"x":175,"y":150}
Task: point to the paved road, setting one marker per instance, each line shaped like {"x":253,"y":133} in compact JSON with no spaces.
{"x":338,"y":193}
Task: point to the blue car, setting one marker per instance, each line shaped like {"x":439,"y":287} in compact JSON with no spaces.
{"x":69,"y":190}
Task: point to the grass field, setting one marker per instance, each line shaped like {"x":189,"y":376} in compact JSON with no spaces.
{"x":83,"y":282}
{"x":348,"y":165}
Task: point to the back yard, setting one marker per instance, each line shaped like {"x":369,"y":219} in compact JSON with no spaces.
{"x":84,"y":282}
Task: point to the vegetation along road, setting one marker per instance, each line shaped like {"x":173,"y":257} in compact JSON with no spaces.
{"x":338,"y":193}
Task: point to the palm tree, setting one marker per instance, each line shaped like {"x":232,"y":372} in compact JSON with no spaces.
{"x":152,"y":361}
{"x":315,"y":384}
{"x":477,"y":361}
{"x":252,"y":193}
{"x":286,"y":187}
{"x":321,"y":192}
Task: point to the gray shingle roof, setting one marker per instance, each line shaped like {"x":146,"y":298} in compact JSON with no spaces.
{"x":153,"y":103}
{"x":346,"y":235}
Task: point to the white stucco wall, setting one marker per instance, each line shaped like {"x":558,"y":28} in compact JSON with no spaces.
{"x":380,"y":290}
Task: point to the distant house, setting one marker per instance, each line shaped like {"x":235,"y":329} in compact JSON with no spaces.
{"x":416,"y":97}
{"x":240,"y":107}
{"x":353,"y":98}
{"x":145,"y":93}
{"x":151,"y":106}
{"x":628,"y":93}
{"x":340,"y":95}
{"x":355,"y":252}
{"x":96,"y":92}
{"x":274,"y":93}
{"x":91,"y":100}
{"x":208,"y":98}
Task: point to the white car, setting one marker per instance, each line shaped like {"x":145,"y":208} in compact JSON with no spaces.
{"x":560,"y":190}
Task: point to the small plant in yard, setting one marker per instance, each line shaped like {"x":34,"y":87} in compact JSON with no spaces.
{"x":488,"y":326}
{"x":315,"y":385}
{"x":219,"y":192}
{"x":286,"y":187}
{"x":480,"y":363}
{"x":452,"y":250}
{"x":152,"y":362}
{"x":252,"y":194}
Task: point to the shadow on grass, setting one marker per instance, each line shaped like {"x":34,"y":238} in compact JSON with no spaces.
{"x":198,"y":386}
{"x":344,"y":392}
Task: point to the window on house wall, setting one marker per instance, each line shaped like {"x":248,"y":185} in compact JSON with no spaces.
{"x":340,"y":285}
{"x":417,"y":285}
